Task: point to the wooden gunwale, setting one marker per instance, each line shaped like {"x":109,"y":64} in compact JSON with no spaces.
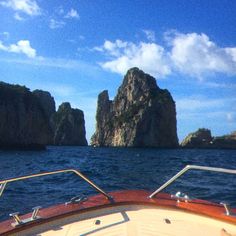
{"x":127,"y":197}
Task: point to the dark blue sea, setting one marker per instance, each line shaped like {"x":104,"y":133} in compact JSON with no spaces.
{"x":111,"y":169}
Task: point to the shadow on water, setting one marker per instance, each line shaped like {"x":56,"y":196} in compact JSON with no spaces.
{"x":112,"y":169}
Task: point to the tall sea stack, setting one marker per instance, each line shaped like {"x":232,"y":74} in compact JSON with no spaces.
{"x":141,"y":115}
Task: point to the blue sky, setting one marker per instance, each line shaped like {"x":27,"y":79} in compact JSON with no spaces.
{"x":77,"y":48}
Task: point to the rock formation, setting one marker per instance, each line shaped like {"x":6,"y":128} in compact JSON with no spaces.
{"x":141,"y":115}
{"x":202,"y":139}
{"x":69,"y":128}
{"x":23,"y":122}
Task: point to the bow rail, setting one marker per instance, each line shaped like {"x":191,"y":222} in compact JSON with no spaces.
{"x":187,"y":168}
{"x":3,"y":183}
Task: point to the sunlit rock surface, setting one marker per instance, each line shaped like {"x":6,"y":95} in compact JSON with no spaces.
{"x":141,"y":115}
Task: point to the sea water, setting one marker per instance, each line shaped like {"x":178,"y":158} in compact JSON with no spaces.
{"x":112,"y":169}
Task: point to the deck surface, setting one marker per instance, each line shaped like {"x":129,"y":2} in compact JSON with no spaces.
{"x":135,"y":220}
{"x":130,"y":213}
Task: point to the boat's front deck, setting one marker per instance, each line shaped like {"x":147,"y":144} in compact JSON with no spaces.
{"x":132,"y":220}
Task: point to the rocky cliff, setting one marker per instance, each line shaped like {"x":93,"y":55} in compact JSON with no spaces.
{"x":69,"y":126}
{"x":202,"y":139}
{"x":28,"y":120}
{"x":141,"y":115}
{"x":23,"y":121}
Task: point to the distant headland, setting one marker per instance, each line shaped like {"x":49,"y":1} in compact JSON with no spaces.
{"x":141,"y":115}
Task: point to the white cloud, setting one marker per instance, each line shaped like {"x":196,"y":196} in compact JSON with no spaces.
{"x":114,"y":49}
{"x":230,"y":117}
{"x":232,"y":52}
{"x":72,"y":14}
{"x":192,"y":54}
{"x":18,"y":17}
{"x":29,"y":7}
{"x":150,"y":34}
{"x":149,"y":57}
{"x":2,"y":47}
{"x":196,"y":55}
{"x":22,"y":46}
{"x":55,"y":24}
{"x":5,"y":35}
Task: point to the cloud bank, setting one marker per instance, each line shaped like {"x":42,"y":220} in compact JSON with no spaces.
{"x":192,"y":54}
{"x":148,"y":56}
{"x":195,"y":54}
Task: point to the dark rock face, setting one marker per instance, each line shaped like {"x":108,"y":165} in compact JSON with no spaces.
{"x":23,"y":122}
{"x":47,"y":102}
{"x":69,"y":126}
{"x":200,"y":139}
{"x":141,"y":115}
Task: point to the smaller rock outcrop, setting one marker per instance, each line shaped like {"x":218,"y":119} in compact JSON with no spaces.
{"x":226,"y":141}
{"x":202,"y":139}
{"x":69,"y":126}
{"x":199,"y":139}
